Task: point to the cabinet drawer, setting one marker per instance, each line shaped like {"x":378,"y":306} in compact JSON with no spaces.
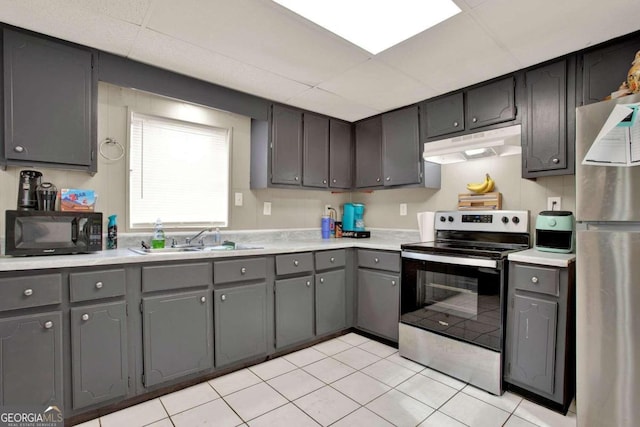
{"x":545,"y":280}
{"x":330,"y":259}
{"x":379,"y":260}
{"x":30,"y":291}
{"x":294,"y":263}
{"x":239,"y":270}
{"x":97,"y":284}
{"x":163,"y":277}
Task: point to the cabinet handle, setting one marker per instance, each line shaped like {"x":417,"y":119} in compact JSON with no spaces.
{"x":322,"y":280}
{"x":99,"y":285}
{"x":377,"y":179}
{"x":85,"y":317}
{"x":555,"y":160}
{"x":376,"y":260}
{"x":18,"y":149}
{"x":474,"y":120}
{"x":48,"y":324}
{"x":324,"y":181}
{"x":308,"y":284}
{"x":223,"y":297}
{"x":297,"y":178}
{"x":243,"y":270}
{"x":334,"y":181}
{"x":203,"y":299}
{"x":393,"y":283}
{"x":296,"y":262}
{"x":28,"y":292}
{"x":332,"y":260}
{"x":388,"y":178}
{"x":455,"y":124}
{"x":534,"y":279}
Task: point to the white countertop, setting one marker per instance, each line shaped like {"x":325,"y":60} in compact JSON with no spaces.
{"x":386,"y":241}
{"x":534,"y":256}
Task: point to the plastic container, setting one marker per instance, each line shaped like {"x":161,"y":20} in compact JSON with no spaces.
{"x":325,"y":227}
{"x":112,"y":233}
{"x":157,"y":240}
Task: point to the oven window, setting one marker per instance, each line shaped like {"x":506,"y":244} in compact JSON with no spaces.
{"x":459,"y":301}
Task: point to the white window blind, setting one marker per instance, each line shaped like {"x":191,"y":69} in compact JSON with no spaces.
{"x":178,"y":172}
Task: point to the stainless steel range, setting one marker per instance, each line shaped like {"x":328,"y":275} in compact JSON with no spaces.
{"x":452,"y":296}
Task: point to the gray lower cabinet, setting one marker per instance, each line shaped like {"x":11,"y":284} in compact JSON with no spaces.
{"x":294,"y":310}
{"x":99,"y":353}
{"x":331,"y":315}
{"x":31,"y":360}
{"x":177,"y":335}
{"x":378,"y":303}
{"x":240,"y":323}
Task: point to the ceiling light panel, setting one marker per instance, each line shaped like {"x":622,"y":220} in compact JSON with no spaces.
{"x":374,"y":25}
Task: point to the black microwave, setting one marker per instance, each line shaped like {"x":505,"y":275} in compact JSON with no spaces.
{"x":52,"y":233}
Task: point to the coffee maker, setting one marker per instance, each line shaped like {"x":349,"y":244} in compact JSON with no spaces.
{"x":27,"y":196}
{"x":353,"y":221}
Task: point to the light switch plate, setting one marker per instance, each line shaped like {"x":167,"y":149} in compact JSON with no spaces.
{"x":554,"y":203}
{"x":266,"y":210}
{"x":403,"y":209}
{"x":238,"y":199}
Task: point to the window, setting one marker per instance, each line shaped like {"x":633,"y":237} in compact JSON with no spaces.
{"x":178,"y":172}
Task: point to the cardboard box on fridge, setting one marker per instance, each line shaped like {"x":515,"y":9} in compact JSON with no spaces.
{"x":72,"y":199}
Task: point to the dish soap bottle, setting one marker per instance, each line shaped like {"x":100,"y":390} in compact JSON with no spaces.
{"x":157,"y":240}
{"x":112,"y":233}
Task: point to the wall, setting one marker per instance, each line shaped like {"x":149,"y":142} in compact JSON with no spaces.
{"x":290,"y":208}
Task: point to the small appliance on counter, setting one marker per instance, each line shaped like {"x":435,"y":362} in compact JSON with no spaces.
{"x":46,"y":194}
{"x":353,"y":221}
{"x":29,"y":182}
{"x":30,"y":232}
{"x":555,"y":232}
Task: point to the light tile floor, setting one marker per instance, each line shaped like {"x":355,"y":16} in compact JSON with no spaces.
{"x":349,"y":381}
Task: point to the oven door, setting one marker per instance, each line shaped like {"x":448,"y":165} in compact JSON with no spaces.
{"x":454,"y":296}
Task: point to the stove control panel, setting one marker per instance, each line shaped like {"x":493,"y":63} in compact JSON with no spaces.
{"x":495,"y":221}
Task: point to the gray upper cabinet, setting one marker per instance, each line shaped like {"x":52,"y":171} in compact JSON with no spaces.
{"x":31,"y":360}
{"x":444,"y":115}
{"x":294,"y":310}
{"x":177,"y":335}
{"x":49,"y":104}
{"x":401,"y":147}
{"x":605,"y":68}
{"x":286,"y":150}
{"x":548,"y":138}
{"x":369,"y":153}
{"x":240,"y":323}
{"x":491,"y":103}
{"x":99,"y":353}
{"x":340,"y":155}
{"x":315,"y":167}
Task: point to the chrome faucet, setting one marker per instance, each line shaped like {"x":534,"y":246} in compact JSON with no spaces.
{"x":201,"y":241}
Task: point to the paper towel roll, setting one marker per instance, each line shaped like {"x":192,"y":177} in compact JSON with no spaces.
{"x":425,"y":225}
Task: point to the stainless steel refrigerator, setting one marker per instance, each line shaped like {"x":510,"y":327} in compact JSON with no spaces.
{"x":608,"y":281}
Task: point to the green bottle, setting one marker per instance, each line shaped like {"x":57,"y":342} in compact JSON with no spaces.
{"x":157,"y":240}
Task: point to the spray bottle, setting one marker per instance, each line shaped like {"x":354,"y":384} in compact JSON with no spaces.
{"x":112,"y":233}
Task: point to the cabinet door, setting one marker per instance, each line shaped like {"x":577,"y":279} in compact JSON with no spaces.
{"x":99,"y":353}
{"x":315,"y":168}
{"x":492,"y":103}
{"x":378,"y":303}
{"x":401,"y":147}
{"x":444,"y":115}
{"x":533,"y":346}
{"x":47,"y":102}
{"x":294,"y":310}
{"x":177,"y":337}
{"x":369,"y":153}
{"x":331,"y":294}
{"x":545,"y":126}
{"x":240,"y":323}
{"x":606,"y":68}
{"x":286,"y":149}
{"x":31,"y":360}
{"x":340,"y":155}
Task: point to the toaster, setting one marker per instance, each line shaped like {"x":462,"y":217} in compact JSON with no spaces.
{"x":555,"y":232}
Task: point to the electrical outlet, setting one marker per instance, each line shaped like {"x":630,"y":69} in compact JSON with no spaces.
{"x":554,"y":203}
{"x":403,"y":209}
{"x":266,"y":210}
{"x":326,"y":209}
{"x":238,"y":199}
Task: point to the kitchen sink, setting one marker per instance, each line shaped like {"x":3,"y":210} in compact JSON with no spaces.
{"x":227,"y":246}
{"x":145,"y":251}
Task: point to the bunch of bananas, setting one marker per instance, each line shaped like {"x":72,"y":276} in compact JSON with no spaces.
{"x":482,"y":187}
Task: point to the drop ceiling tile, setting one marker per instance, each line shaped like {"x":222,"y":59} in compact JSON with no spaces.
{"x":259,"y":33}
{"x":61,"y":19}
{"x":378,"y":86}
{"x":132,"y":11}
{"x":184,"y":58}
{"x":324,"y":102}
{"x":544,"y":29}
{"x":453,"y":54}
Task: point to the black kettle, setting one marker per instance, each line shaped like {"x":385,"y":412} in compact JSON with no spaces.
{"x":27,"y":196}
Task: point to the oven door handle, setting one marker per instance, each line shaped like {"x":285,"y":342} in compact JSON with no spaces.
{"x":457,"y":260}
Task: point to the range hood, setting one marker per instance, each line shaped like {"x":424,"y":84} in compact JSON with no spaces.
{"x":496,"y":142}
